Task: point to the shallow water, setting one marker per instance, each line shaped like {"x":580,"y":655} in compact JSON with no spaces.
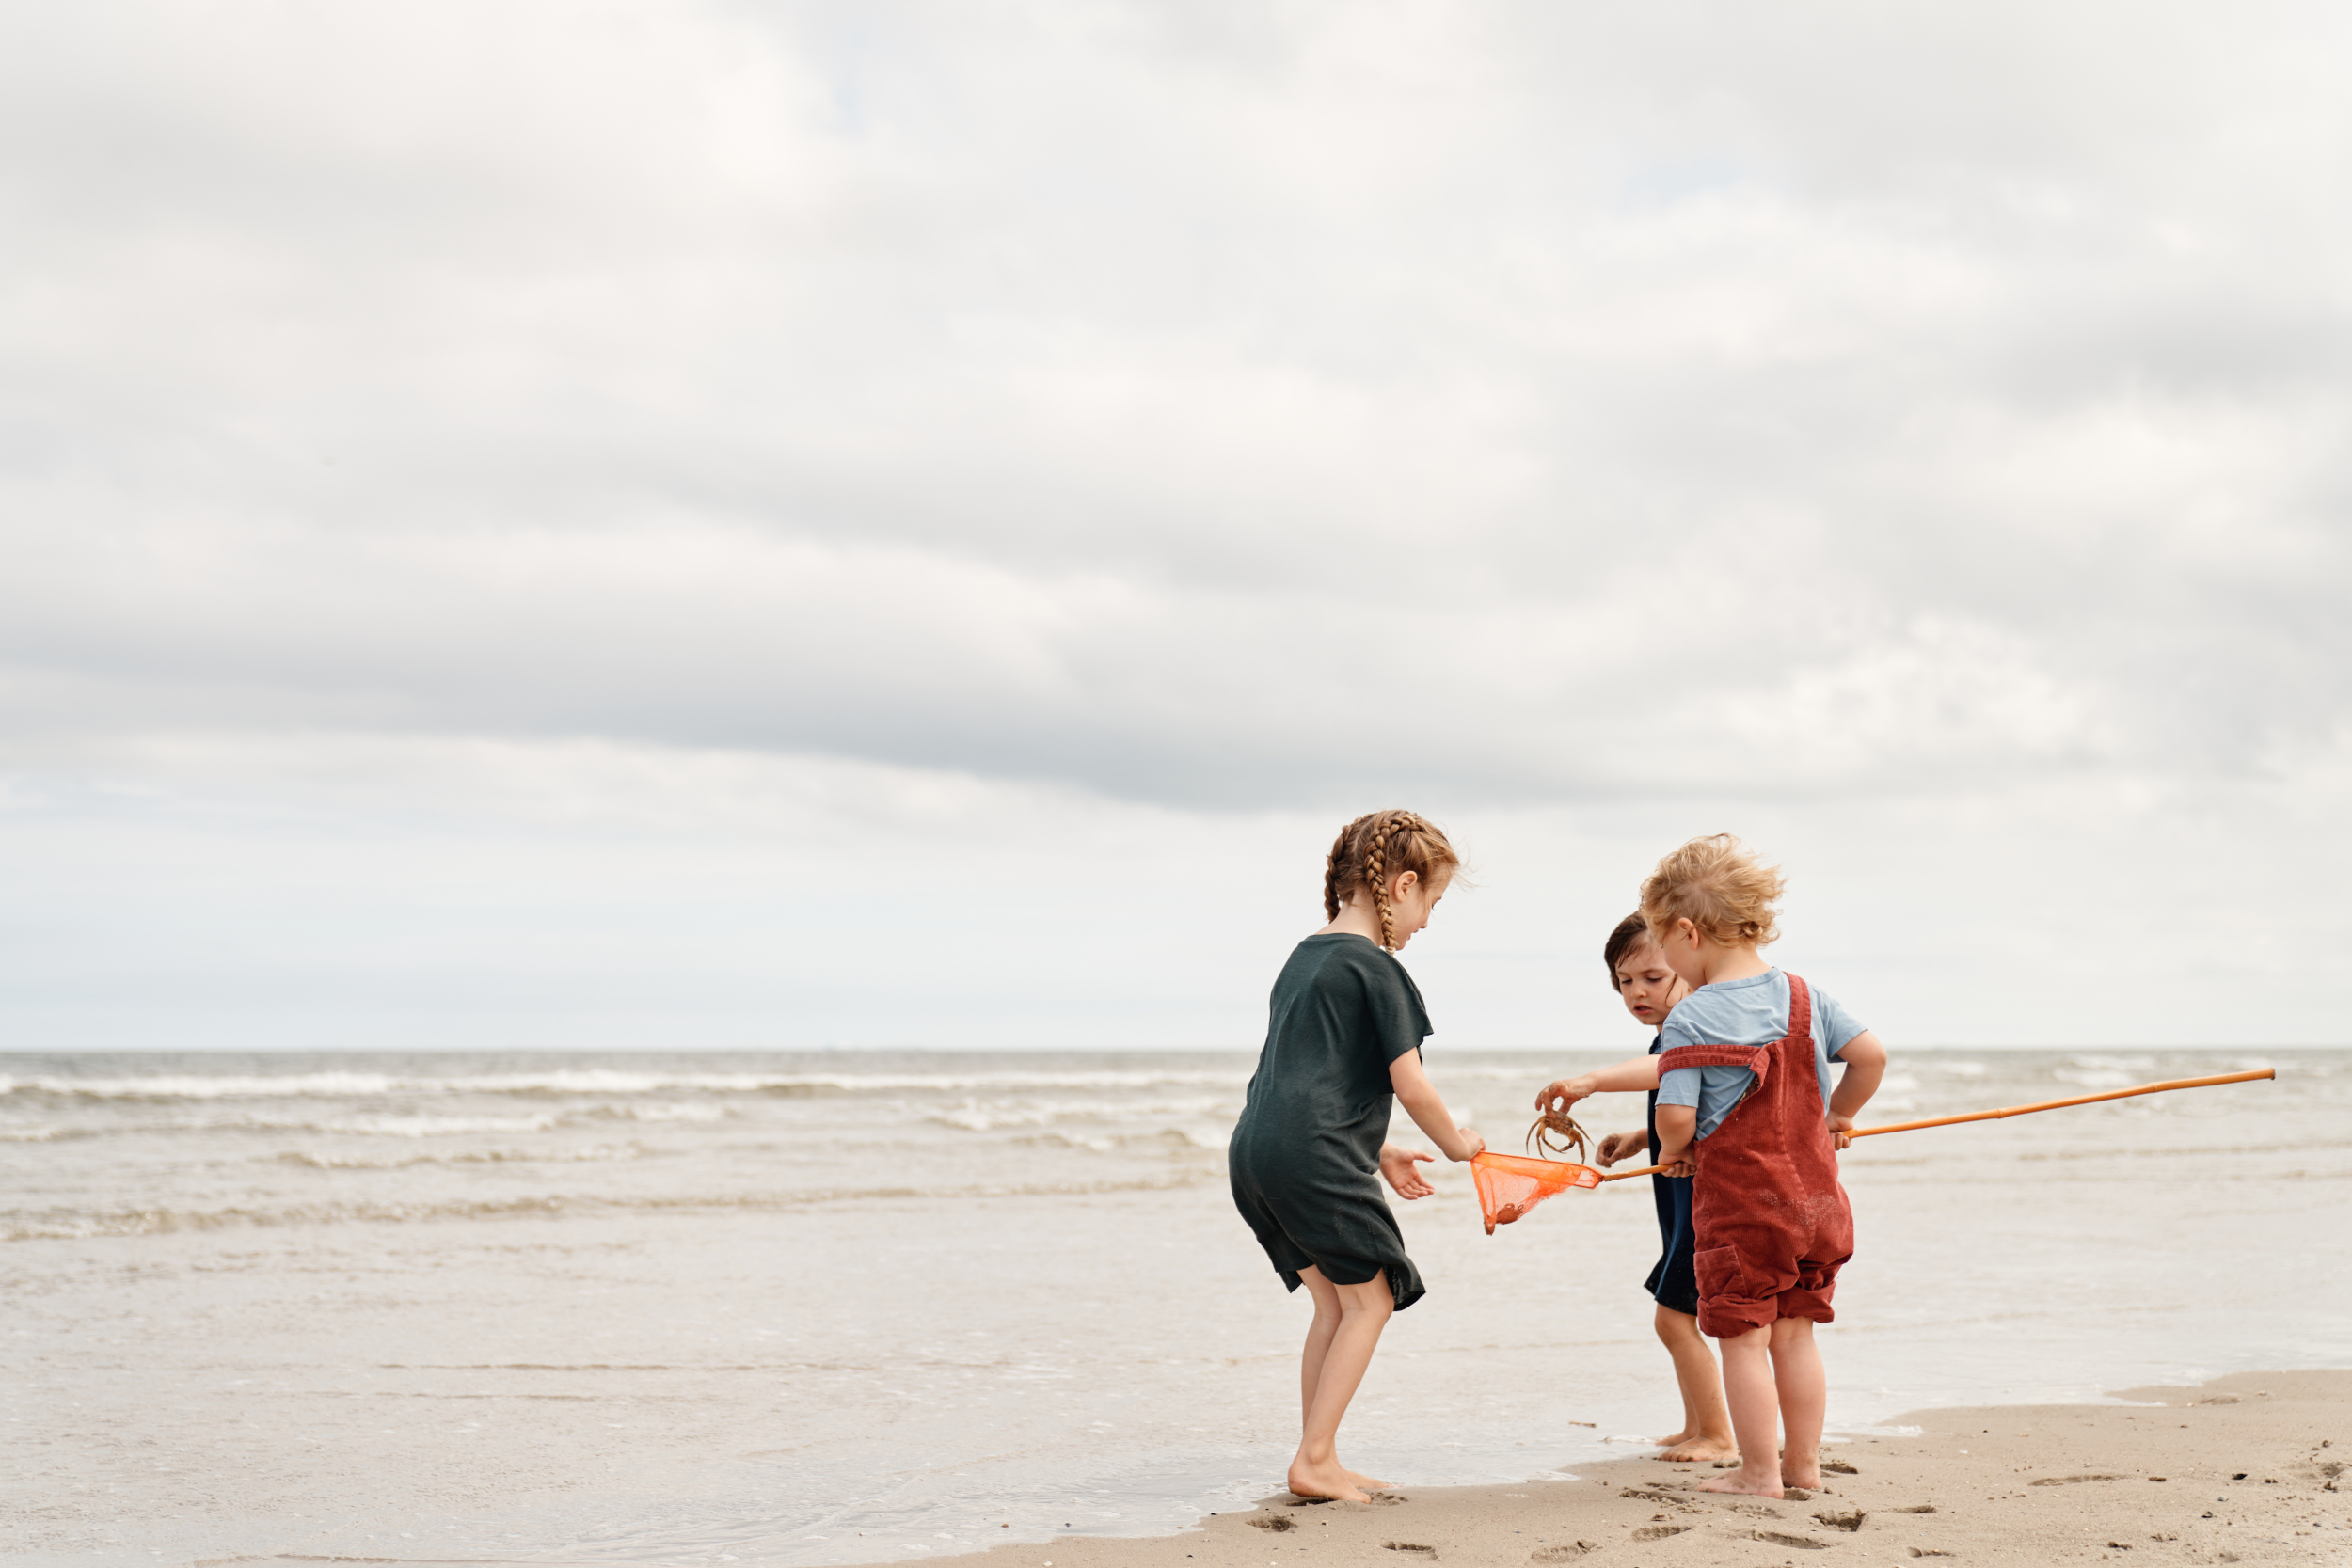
{"x":824,"y":1308}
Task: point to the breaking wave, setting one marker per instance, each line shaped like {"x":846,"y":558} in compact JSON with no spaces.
{"x":148,"y":1222}
{"x":977,"y":1116}
{"x":464,"y":1156}
{"x":590,"y":1081}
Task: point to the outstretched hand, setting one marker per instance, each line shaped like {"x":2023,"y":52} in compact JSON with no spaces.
{"x":1616,"y":1146}
{"x":1396,"y":1165}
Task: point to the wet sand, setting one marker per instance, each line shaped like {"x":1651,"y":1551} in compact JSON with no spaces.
{"x":2241,"y":1469}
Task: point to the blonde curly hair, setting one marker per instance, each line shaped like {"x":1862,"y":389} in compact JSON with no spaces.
{"x":1717,"y":885}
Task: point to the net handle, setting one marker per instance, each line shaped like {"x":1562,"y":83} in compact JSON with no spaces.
{"x":2024,"y":1110}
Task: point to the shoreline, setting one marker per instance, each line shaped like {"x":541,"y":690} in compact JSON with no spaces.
{"x":2240,"y":1469}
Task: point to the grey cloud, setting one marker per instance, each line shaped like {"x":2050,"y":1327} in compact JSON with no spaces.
{"x":1183,"y":404}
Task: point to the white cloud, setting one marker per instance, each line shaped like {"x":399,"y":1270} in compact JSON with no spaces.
{"x":1212,"y":415}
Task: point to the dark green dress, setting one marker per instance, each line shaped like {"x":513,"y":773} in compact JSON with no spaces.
{"x":1305,"y":1159}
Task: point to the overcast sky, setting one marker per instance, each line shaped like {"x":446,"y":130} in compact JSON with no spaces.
{"x":733,"y":524}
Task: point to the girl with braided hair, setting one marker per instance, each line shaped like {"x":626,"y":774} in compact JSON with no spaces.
{"x":1306,"y":1157}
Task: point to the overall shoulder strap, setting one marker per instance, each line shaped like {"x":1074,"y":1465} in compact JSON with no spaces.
{"x":1800,"y":1011}
{"x":1756,"y":1059}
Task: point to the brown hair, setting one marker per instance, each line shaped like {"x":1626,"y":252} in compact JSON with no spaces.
{"x":1632,"y":932}
{"x":1718,"y":886}
{"x":1376,"y":846}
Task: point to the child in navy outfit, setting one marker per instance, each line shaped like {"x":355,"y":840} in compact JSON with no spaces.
{"x":1649,"y":990}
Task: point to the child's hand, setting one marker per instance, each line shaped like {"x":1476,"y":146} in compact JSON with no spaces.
{"x":1841,"y":1128}
{"x":1616,"y":1146}
{"x":1680,"y":1167}
{"x":1472,"y":1144}
{"x":1560,"y":1094}
{"x":1396,"y":1165}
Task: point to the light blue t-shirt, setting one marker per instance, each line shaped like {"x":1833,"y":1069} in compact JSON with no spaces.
{"x":1754,"y":1011}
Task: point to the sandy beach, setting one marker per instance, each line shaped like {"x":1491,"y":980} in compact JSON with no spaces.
{"x":2241,"y":1469}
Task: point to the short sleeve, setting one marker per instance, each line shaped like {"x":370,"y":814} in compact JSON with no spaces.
{"x":1682,"y":1086}
{"x":1838,"y":1026}
{"x":1679,"y":1087}
{"x":1392,"y":1004}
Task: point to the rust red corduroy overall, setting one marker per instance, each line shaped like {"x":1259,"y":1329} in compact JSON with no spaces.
{"x":1770,"y":1224}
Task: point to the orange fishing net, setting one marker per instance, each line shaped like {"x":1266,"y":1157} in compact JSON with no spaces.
{"x":1509,"y":1184}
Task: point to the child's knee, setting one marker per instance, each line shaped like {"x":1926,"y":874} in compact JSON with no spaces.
{"x":1753,"y":1341}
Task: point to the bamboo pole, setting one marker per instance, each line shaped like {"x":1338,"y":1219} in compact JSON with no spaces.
{"x":2023,"y":1110}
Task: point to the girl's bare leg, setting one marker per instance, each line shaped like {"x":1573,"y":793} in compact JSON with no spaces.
{"x":1326,"y":1324}
{"x":1327,"y":1314}
{"x":1705,"y":1432}
{"x":1802,"y":1389}
{"x":1750,"y":1390}
{"x":1327,"y":1385}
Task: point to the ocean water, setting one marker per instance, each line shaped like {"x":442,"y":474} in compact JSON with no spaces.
{"x":853,"y":1306}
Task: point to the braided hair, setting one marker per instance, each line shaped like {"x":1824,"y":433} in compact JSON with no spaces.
{"x":1376,"y":846}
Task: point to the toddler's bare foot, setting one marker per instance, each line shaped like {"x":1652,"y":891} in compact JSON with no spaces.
{"x":1327,"y":1480}
{"x":1742,"y":1482}
{"x":1803,"y":1474}
{"x":1679,"y":1437}
{"x":1368,"y":1482}
{"x":1701,"y":1450}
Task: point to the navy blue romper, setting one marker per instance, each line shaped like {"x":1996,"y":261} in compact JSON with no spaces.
{"x":1305,"y":1156}
{"x":1673,"y":1282}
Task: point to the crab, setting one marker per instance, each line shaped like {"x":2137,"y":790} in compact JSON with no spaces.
{"x":1556,"y":1133}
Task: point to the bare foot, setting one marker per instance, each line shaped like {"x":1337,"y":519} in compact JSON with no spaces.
{"x":1677,"y":1440}
{"x":1328,"y":1480}
{"x":1702,"y":1450}
{"x":1363,"y":1480}
{"x":1803,"y":1474}
{"x":1740,"y":1481}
